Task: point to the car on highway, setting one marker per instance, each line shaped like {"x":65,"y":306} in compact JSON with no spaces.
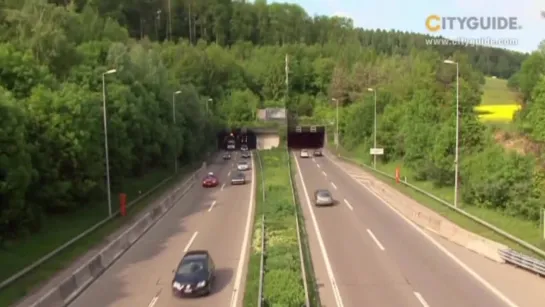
{"x":210,"y":181}
{"x":226,"y":156}
{"x":243,"y":166}
{"x":246,"y":155}
{"x":195,"y":274}
{"x":244,"y":147}
{"x":323,"y":197}
{"x":231,"y":145}
{"x":317,"y":153}
{"x":304,"y":153}
{"x":238,"y":178}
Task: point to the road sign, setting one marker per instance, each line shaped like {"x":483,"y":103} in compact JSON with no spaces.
{"x":312,"y":128}
{"x":298,"y":129}
{"x":377,"y":151}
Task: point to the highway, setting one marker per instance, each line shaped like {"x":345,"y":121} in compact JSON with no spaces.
{"x":217,"y":219}
{"x":365,"y":254}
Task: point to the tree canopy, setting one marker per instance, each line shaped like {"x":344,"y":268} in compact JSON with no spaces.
{"x":53,"y":56}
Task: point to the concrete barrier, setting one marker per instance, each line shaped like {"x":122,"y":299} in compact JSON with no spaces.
{"x":67,"y":290}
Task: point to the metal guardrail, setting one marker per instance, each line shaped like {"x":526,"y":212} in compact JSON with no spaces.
{"x":499,"y":231}
{"x":53,"y":253}
{"x":299,"y":239}
{"x":260,"y":296}
{"x":520,"y":260}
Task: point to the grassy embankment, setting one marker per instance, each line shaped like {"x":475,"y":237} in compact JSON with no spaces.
{"x":495,"y":94}
{"x":61,"y":229}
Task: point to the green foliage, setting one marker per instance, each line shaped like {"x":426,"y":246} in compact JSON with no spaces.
{"x":283,"y":280}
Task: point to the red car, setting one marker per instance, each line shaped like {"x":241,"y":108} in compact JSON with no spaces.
{"x":210,"y":181}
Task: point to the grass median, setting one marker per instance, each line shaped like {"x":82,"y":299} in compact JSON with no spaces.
{"x":525,"y":230}
{"x":59,"y":230}
{"x":283,"y":284}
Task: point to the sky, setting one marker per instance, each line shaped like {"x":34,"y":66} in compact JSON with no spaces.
{"x":410,"y":15}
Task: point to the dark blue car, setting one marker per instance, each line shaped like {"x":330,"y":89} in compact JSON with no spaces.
{"x":195,"y":274}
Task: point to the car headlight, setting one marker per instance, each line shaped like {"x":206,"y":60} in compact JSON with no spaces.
{"x":201,"y":284}
{"x":176,"y":285}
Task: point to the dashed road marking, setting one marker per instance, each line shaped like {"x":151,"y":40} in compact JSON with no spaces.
{"x":222,"y":187}
{"x":372,"y":235}
{"x":324,"y":173}
{"x":153,"y":301}
{"x":421,"y":299}
{"x":190,"y":241}
{"x":334,"y":185}
{"x":348,"y":204}
{"x":212,"y":206}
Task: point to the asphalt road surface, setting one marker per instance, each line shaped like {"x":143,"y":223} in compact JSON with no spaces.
{"x":216,"y":219}
{"x":365,"y":254}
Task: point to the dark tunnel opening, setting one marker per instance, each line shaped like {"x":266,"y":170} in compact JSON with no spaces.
{"x":237,"y":136}
{"x":306,"y":137}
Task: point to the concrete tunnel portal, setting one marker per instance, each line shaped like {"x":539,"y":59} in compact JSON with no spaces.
{"x":310,"y":137}
{"x":299,"y":137}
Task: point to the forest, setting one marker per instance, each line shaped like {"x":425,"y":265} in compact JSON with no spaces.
{"x":227,"y":59}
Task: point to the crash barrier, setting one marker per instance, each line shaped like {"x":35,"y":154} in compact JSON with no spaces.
{"x":67,"y":290}
{"x":522,"y":261}
{"x":483,"y":246}
{"x":260,"y":296}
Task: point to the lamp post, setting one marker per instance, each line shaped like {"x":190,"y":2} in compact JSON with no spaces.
{"x":207,"y":102}
{"x":107,"y":156}
{"x":457,"y":149}
{"x":375,"y":127}
{"x":336,"y":123}
{"x":175,"y":136}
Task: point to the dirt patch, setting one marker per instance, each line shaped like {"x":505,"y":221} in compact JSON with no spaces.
{"x":518,"y":143}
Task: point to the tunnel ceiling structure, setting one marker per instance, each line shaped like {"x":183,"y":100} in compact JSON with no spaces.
{"x":300,"y":137}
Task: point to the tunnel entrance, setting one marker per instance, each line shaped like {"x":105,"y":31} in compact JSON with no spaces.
{"x":236,"y":137}
{"x":306,"y":137}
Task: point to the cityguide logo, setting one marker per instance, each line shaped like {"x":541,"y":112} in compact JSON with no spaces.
{"x":473,"y":42}
{"x":436,"y":23}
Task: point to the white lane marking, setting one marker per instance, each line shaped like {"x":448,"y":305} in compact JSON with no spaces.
{"x":332,"y":280}
{"x":190,"y":241}
{"x":229,"y":174}
{"x":372,"y":235}
{"x":324,"y":173}
{"x":348,"y":204}
{"x":421,"y":299}
{"x":153,"y":301}
{"x":334,"y":185}
{"x":222,"y":187}
{"x":313,"y":160}
{"x":244,"y":248}
{"x":459,"y":262}
{"x":212,"y":206}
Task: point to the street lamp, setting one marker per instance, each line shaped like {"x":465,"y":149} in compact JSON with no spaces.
{"x":175,"y":136}
{"x":104,"y":119}
{"x":456,"y":154}
{"x":208,"y":101}
{"x":337,"y":123}
{"x":375,"y":127}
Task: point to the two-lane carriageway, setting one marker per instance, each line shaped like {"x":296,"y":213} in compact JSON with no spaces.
{"x":216,"y":219}
{"x":366,"y":254}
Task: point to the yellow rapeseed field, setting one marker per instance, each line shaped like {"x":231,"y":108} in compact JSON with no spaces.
{"x":503,"y":113}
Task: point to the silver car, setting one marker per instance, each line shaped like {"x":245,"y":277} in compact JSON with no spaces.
{"x":304,"y":153}
{"x":243,"y":166}
{"x":238,"y":178}
{"x":323,"y":198}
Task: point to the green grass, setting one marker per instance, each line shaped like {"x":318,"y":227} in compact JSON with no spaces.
{"x":283,"y":285}
{"x":496,"y":92}
{"x":525,"y":230}
{"x":60,"y":229}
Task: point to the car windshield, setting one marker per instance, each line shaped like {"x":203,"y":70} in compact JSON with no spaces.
{"x":324,"y":194}
{"x":242,"y":163}
{"x":238,"y":175}
{"x":191,"y":266}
